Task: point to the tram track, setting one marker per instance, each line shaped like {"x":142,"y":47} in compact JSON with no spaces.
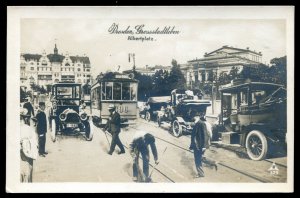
{"x":242,"y":172}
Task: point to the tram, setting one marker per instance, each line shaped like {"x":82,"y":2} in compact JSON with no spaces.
{"x":118,"y":89}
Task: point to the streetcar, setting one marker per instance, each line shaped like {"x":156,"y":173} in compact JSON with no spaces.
{"x":119,"y":90}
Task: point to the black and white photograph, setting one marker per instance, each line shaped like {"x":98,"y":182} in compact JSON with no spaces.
{"x":150,"y":99}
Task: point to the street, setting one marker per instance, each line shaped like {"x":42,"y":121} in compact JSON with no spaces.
{"x":73,"y":159}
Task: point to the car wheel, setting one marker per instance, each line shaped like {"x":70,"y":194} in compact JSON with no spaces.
{"x":177,"y":128}
{"x":148,"y":116}
{"x":257,"y":145}
{"x":89,"y":133}
{"x":53,"y":130}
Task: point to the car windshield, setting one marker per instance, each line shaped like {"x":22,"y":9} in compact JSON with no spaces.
{"x":71,"y":92}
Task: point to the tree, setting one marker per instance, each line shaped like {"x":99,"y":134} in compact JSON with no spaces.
{"x":278,"y":72}
{"x":176,"y":78}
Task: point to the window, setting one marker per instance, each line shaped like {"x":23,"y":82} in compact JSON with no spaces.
{"x":126,"y":91}
{"x":38,"y":68}
{"x":31,"y":68}
{"x":87,"y":70}
{"x":78,"y":69}
{"x":117,"y":91}
{"x":67,"y":64}
{"x":61,"y":69}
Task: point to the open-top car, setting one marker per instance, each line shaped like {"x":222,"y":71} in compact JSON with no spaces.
{"x":65,"y":116}
{"x":180,"y":113}
{"x":153,"y":105}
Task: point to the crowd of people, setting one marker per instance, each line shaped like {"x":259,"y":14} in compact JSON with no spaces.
{"x":33,"y":142}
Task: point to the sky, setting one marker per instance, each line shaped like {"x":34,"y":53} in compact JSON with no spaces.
{"x":108,"y":50}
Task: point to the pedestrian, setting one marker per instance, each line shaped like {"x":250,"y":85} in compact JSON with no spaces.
{"x":28,"y":149}
{"x":30,"y":111}
{"x":198,"y":142}
{"x":139,"y":145}
{"x":114,"y":127}
{"x":41,"y":128}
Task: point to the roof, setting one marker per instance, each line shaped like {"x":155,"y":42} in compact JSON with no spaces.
{"x":57,"y":58}
{"x":159,"y":99}
{"x":252,"y":85}
{"x":234,"y":48}
{"x":28,"y":57}
{"x":83,"y":59}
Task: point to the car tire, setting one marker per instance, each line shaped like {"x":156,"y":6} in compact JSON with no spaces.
{"x":257,"y":145}
{"x":89,"y":132}
{"x":53,"y":130}
{"x":177,"y":128}
{"x":148,"y":116}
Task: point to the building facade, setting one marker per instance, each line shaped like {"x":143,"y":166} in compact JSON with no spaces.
{"x":46,"y":69}
{"x":219,"y":61}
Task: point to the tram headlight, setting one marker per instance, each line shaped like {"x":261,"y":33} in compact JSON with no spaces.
{"x":62,"y":117}
{"x":83,"y":116}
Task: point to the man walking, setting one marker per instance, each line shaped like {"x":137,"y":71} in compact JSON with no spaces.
{"x":139,"y":144}
{"x":114,"y":127}
{"x":198,"y":143}
{"x":30,"y":111}
{"x":41,"y":128}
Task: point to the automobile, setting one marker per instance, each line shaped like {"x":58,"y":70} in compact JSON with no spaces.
{"x":66,"y":117}
{"x":153,"y":105}
{"x":254,"y":116}
{"x":181,"y":111}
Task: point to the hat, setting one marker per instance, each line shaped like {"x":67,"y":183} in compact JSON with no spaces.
{"x":111,"y":106}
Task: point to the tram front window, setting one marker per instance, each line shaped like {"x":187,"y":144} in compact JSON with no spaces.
{"x":108,"y":90}
{"x":126,"y":91}
{"x":117,"y":91}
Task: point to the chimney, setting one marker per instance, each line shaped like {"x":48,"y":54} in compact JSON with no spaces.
{"x":247,"y":48}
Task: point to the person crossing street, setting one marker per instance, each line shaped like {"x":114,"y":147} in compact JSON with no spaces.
{"x":113,"y":126}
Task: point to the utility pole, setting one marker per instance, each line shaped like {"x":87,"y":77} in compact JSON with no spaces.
{"x":133,"y":57}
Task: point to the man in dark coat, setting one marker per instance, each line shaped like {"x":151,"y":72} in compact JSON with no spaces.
{"x":114,"y":127}
{"x":41,"y":128}
{"x":30,"y":111}
{"x":198,"y":143}
{"x":139,"y":144}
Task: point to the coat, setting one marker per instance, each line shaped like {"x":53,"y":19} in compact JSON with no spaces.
{"x":114,"y":124}
{"x":41,"y":126}
{"x":199,"y":136}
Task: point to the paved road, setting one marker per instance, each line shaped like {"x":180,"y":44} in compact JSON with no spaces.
{"x":73,"y":159}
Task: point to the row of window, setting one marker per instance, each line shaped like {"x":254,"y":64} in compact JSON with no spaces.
{"x":67,"y":64}
{"x":62,"y":69}
{"x":115,"y":91}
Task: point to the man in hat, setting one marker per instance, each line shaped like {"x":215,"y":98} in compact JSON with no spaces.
{"x":30,"y":111}
{"x":198,"y":142}
{"x":41,"y":128}
{"x":28,"y":149}
{"x":140,"y":144}
{"x":114,"y":127}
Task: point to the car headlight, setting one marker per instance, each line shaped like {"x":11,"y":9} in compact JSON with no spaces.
{"x":62,"y":117}
{"x":83,"y":116}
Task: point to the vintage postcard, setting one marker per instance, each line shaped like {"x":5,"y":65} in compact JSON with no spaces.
{"x":150,"y":99}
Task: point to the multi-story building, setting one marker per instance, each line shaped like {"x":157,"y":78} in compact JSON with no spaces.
{"x":46,"y":69}
{"x":219,"y":61}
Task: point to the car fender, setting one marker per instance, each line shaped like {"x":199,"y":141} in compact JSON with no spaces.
{"x":180,"y":120}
